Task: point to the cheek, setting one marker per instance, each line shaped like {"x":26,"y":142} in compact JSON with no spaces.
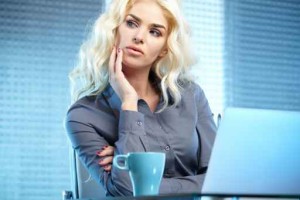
{"x":121,"y":37}
{"x":117,"y":40}
{"x":156,"y":49}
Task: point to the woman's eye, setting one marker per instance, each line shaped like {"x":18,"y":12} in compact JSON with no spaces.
{"x":155,"y":33}
{"x":131,"y":24}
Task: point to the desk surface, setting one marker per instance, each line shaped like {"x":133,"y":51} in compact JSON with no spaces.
{"x":204,"y":196}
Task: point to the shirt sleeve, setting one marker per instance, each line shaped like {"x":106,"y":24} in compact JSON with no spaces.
{"x":86,"y":142}
{"x":87,"y":135}
{"x":206,"y":128}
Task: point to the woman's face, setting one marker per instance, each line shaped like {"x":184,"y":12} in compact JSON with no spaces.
{"x":143,"y":34}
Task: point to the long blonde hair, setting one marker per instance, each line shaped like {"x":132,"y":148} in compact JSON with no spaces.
{"x":90,"y":76}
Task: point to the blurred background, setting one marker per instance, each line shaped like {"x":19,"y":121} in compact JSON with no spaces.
{"x":248,"y":56}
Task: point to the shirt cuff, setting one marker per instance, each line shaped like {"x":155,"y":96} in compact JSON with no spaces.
{"x":131,"y":122}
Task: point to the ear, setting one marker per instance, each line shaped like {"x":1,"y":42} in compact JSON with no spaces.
{"x":163,"y":53}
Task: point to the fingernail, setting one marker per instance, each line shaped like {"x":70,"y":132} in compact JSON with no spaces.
{"x":100,"y":162}
{"x":119,"y":50}
{"x":98,"y":152}
{"x":104,"y":147}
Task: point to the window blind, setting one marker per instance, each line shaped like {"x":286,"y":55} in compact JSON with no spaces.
{"x":206,"y":19}
{"x":39,"y":41}
{"x":262,"y":54}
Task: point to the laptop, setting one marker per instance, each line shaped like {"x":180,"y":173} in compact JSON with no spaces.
{"x":256,"y":152}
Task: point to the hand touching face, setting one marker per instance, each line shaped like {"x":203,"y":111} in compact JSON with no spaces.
{"x":119,"y":83}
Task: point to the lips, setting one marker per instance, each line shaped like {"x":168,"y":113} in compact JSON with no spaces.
{"x":134,"y":50}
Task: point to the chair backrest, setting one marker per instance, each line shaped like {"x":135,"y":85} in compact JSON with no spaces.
{"x":83,"y":186}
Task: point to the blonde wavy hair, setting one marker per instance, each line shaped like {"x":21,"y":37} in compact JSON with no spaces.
{"x":90,"y":76}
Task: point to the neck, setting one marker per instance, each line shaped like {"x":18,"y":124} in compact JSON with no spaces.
{"x":139,"y":79}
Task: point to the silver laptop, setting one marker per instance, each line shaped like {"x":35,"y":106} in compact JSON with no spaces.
{"x":256,"y":152}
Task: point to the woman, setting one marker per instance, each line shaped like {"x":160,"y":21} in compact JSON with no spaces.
{"x":132,"y":94}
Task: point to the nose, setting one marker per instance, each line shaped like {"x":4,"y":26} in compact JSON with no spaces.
{"x":139,"y":36}
{"x":137,"y":40}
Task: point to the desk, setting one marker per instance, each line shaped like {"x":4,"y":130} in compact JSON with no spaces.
{"x":207,"y":197}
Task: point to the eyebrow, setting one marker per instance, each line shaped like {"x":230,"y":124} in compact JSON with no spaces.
{"x":154,"y":25}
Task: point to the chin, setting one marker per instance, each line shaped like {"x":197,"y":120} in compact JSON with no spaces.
{"x":133,"y":63}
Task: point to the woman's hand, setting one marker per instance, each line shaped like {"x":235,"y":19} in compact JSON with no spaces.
{"x":119,"y":83}
{"x":107,"y":156}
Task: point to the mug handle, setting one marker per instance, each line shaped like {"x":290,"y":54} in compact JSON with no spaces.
{"x":116,"y":163}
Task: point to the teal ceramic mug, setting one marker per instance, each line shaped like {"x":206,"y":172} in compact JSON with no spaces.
{"x":145,"y":171}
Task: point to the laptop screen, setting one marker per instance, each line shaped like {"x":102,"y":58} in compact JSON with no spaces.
{"x":256,"y":152}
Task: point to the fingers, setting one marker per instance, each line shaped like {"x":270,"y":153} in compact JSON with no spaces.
{"x":109,"y":151}
{"x":106,"y":155}
{"x":107,"y":168}
{"x":118,"y":66}
{"x":105,"y":161}
{"x":112,"y":60}
{"x":106,"y":151}
{"x":115,"y":61}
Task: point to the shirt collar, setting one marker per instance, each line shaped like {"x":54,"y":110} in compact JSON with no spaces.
{"x":115,"y":102}
{"x":112,"y":99}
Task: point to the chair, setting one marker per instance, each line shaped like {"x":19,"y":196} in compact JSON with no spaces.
{"x":82,"y":185}
{"x":219,"y":117}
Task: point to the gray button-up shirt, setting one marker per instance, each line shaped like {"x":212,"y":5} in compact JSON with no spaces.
{"x":184,"y":133}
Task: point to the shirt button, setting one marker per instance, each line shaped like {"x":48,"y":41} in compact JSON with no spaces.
{"x":139,"y":123}
{"x":167,"y":148}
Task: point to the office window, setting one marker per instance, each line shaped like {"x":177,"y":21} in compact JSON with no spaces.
{"x":39,"y":40}
{"x":205,"y":18}
{"x":262,"y":54}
